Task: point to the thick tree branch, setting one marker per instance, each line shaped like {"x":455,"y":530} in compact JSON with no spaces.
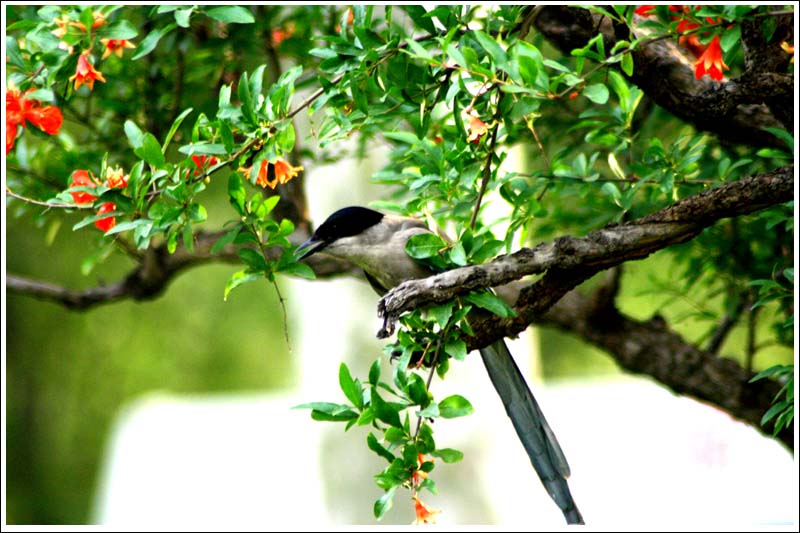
{"x":651,"y":348}
{"x":570,"y":260}
{"x":737,"y":110}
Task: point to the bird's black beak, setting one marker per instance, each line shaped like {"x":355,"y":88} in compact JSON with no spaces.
{"x":309,"y":247}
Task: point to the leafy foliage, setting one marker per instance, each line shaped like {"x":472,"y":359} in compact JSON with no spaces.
{"x":210,"y":94}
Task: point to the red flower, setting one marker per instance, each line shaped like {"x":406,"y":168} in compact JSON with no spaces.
{"x":645,"y":10}
{"x":711,"y":61}
{"x":115,"y":46}
{"x":19,"y":109}
{"x":11,"y":134}
{"x":48,"y":118}
{"x":202,"y":162}
{"x":105,"y":224}
{"x":81,"y":178}
{"x":86,"y":73}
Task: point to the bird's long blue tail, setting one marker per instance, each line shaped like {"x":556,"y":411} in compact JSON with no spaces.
{"x":538,"y":439}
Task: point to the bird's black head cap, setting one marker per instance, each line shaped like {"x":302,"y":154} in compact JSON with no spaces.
{"x":347,"y":222}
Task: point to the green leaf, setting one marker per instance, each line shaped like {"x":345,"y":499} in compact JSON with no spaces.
{"x":375,"y":372}
{"x":491,"y":302}
{"x":731,"y":37}
{"x":150,"y":151}
{"x":377,"y":447}
{"x":597,"y":93}
{"x":783,"y":135}
{"x":448,"y":455}
{"x":236,"y":192}
{"x":384,"y":411}
{"x":301,"y":270}
{"x":240,"y":278}
{"x":417,"y":391}
{"x":255,"y":260}
{"x":247,"y":100}
{"x":441,"y":313}
{"x":492,"y":48}
{"x":351,"y":389}
{"x":455,"y":406}
{"x":424,"y":245}
{"x":226,"y":239}
{"x":134,"y":134}
{"x":627,"y":64}
{"x":231,"y":14}
{"x":121,"y":29}
{"x":149,"y":43}
{"x":383,"y":504}
{"x":175,"y":125}
{"x":432,"y":411}
{"x":182,"y":16}
{"x":456,"y":348}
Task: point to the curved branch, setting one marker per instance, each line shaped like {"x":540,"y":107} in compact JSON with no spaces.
{"x":154,"y":272}
{"x":737,"y":110}
{"x":651,"y":348}
{"x":569,"y":261}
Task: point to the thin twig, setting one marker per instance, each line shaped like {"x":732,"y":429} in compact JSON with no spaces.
{"x":45,"y":204}
{"x":487,"y":174}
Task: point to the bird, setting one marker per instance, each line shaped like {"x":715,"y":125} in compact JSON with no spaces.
{"x":376,"y":243}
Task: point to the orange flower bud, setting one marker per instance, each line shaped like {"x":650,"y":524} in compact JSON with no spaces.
{"x":116,"y":178}
{"x":86,"y":73}
{"x":115,"y":46}
{"x":477,"y":129}
{"x":425,"y":515}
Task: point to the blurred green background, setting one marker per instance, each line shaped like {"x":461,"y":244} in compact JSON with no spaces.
{"x":70,"y":373}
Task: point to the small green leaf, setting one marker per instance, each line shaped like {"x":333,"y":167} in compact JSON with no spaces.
{"x":448,"y":455}
{"x":150,"y":151}
{"x":493,"y":48}
{"x":239,"y":278}
{"x":627,"y":64}
{"x":134,"y":134}
{"x":442,"y":313}
{"x":149,"y":43}
{"x":175,"y":125}
{"x":236,"y":192}
{"x":226,"y":239}
{"x":455,"y":406}
{"x":456,"y":348}
{"x":731,"y":37}
{"x":349,"y":386}
{"x":597,"y":93}
{"x":424,"y":245}
{"x":384,"y":411}
{"x":231,"y":14}
{"x":377,"y":447}
{"x":383,"y":504}
{"x":491,"y":302}
{"x":432,"y":411}
{"x":182,"y":16}
{"x":375,"y":372}
{"x":121,"y":29}
{"x":255,"y":260}
{"x":301,"y":270}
